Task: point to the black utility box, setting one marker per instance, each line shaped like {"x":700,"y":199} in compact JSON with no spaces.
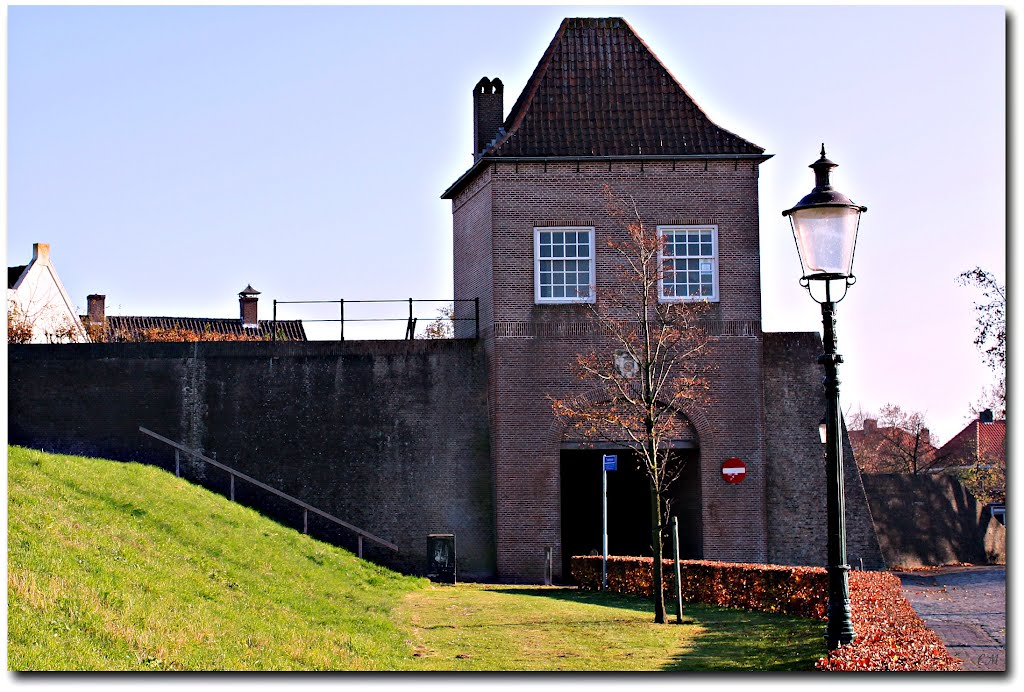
{"x":441,"y":557}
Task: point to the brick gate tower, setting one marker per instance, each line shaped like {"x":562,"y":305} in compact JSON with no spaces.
{"x":531,"y":226}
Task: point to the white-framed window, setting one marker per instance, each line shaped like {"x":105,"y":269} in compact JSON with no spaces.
{"x":563,"y":265}
{"x":689,"y":263}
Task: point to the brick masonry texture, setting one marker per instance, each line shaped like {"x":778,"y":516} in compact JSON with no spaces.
{"x":932,"y":520}
{"x":530,"y":347}
{"x":389,"y":436}
{"x":794,"y":404}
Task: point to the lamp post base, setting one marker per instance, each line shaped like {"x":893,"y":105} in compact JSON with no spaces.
{"x":839,"y":630}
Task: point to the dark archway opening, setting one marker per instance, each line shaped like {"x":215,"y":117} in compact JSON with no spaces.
{"x":629,"y":523}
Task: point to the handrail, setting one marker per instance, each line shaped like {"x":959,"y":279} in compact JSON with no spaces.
{"x":409,"y":319}
{"x":277,"y":492}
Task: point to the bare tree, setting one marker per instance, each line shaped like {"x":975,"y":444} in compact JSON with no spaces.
{"x":897,"y":442}
{"x":443,"y":326}
{"x":19,"y":326}
{"x":647,"y":371}
{"x":992,"y":399}
{"x":26,"y":325}
{"x":990,"y":331}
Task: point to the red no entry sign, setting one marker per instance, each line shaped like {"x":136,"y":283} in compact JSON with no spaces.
{"x":733,"y":470}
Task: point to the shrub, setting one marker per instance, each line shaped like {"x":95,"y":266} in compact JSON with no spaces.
{"x":890,"y":635}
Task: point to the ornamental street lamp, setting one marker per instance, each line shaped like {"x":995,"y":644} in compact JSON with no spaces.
{"x":825,"y":230}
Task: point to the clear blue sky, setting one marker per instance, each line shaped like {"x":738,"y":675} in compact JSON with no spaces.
{"x":171,"y":156}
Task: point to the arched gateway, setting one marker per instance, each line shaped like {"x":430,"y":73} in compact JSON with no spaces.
{"x":629,"y":500}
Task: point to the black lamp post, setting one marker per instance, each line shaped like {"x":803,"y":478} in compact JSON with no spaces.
{"x":825,"y":229}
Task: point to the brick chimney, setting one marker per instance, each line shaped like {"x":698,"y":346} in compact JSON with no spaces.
{"x":986,"y":416}
{"x":488,"y":113}
{"x":97,"y":310}
{"x":41,"y":253}
{"x":870,"y":424}
{"x":247,"y":306}
{"x":926,"y":435}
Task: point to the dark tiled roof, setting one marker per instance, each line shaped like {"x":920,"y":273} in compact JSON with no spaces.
{"x":600,"y":91}
{"x":128,"y":328}
{"x":13,"y":274}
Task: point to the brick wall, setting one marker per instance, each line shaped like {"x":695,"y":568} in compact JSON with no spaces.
{"x":530,"y":347}
{"x":795,"y":403}
{"x":389,"y":436}
{"x":471,"y":252}
{"x":932,"y":520}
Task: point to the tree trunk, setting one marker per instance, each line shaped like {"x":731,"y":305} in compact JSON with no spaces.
{"x":659,"y":578}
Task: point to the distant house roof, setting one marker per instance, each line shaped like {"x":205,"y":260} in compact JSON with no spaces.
{"x":14,"y":273}
{"x":891,"y":449}
{"x":976,"y":443}
{"x":129,"y":328}
{"x":600,"y":91}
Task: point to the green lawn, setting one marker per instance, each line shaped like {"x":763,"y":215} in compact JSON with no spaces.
{"x":494,"y":627}
{"x":117,"y":566}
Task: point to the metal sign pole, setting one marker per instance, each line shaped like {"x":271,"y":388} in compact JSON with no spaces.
{"x":604,"y":526}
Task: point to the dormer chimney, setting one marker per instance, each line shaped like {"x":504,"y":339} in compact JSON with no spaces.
{"x":247,"y":305}
{"x":97,"y":310}
{"x":488,"y":113}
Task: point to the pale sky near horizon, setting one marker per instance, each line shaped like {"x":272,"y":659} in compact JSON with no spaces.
{"x":172,"y":155}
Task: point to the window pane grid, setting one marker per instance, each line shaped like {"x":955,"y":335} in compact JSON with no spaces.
{"x":564,"y":264}
{"x":688,"y":260}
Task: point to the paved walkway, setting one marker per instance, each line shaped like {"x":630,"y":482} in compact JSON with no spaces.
{"x":966,"y":607}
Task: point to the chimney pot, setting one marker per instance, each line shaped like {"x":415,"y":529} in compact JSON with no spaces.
{"x":247,"y":306}
{"x":488,"y":112}
{"x":97,"y":311}
{"x":41,"y":252}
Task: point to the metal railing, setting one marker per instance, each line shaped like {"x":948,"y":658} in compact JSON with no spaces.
{"x":306,"y":508}
{"x":410,"y":319}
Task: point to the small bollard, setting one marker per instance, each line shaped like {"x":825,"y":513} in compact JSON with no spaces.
{"x":679,"y":586}
{"x":548,"y":580}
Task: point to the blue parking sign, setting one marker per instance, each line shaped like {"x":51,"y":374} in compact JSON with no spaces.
{"x":610,"y":462}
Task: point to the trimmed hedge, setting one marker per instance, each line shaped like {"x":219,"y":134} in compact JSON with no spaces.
{"x":890,"y":635}
{"x":765,"y":588}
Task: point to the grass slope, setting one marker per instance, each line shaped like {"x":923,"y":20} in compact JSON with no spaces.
{"x":117,"y":566}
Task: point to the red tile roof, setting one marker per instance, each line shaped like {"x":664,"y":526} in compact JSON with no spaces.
{"x":992,"y":439}
{"x":977,"y":442}
{"x":600,"y":91}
